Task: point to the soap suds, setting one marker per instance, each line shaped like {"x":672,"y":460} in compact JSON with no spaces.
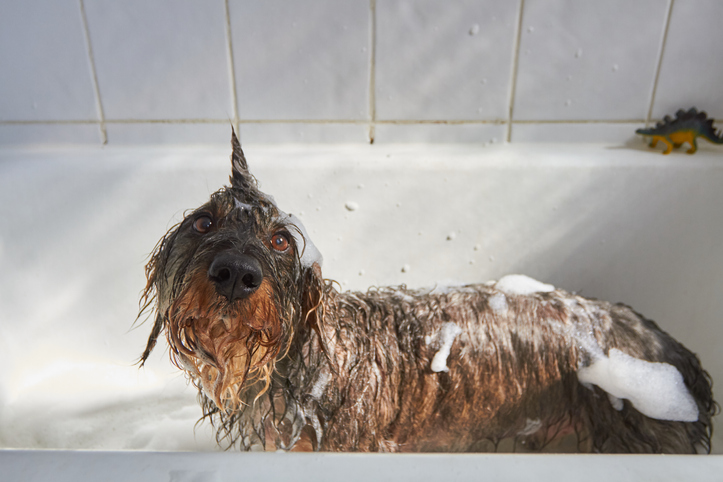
{"x":320,"y":385}
{"x":531,"y":426}
{"x":310,"y":255}
{"x":655,"y":389}
{"x":447,"y":334}
{"x":519,"y":284}
{"x":498,"y":303}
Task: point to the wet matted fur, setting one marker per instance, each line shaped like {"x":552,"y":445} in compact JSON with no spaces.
{"x":283,"y":360}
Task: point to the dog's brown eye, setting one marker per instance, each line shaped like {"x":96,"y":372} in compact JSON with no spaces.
{"x":279,"y":242}
{"x":203,"y":224}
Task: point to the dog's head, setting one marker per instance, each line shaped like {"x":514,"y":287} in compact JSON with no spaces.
{"x":230,"y":285}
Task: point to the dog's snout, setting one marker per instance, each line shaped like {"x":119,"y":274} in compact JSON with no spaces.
{"x":235,"y":275}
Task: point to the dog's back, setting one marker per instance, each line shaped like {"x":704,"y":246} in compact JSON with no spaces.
{"x":477,"y":369}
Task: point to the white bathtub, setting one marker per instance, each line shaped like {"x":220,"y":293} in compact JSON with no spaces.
{"x":621,"y":223}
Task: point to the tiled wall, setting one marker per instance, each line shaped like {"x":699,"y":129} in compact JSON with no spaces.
{"x":183,"y":71}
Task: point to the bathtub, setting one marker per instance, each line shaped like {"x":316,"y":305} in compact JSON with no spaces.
{"x":616,"y":222}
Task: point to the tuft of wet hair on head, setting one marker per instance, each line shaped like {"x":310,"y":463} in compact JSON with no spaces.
{"x":240,"y":178}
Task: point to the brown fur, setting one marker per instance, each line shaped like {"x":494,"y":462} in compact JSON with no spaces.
{"x":299,"y":365}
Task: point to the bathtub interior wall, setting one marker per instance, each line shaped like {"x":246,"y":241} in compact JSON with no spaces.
{"x":623,"y":225}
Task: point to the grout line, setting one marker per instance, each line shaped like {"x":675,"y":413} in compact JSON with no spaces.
{"x":53,"y":122}
{"x":660,"y":63}
{"x":96,"y":87}
{"x":373,"y":70}
{"x":515,"y":64}
{"x":327,"y":121}
{"x":232,"y":69}
{"x":577,"y":121}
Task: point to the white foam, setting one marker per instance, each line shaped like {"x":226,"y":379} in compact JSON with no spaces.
{"x":655,"y":389}
{"x":447,"y":333}
{"x":498,"y":303}
{"x":320,"y":385}
{"x":519,"y":284}
{"x":531,"y":426}
{"x":310,"y":254}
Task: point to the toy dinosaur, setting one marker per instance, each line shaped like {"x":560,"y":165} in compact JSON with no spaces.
{"x":686,"y":127}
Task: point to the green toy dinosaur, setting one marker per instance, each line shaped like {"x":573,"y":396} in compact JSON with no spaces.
{"x":686,"y":127}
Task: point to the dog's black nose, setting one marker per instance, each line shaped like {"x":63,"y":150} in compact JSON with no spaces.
{"x":236,"y":275}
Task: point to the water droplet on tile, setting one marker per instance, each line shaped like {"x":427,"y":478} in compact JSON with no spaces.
{"x":493,"y":140}
{"x":474,"y":30}
{"x":451,"y":236}
{"x":351,"y":206}
{"x":471,"y":261}
{"x":569,"y":78}
{"x":483,"y":81}
{"x":492,"y":258}
{"x":361,"y":272}
{"x":399,"y":205}
{"x":578,"y":53}
{"x":530,"y":29}
{"x":615,"y":67}
{"x":568,"y":102}
{"x":360,"y":186}
{"x":477,"y":247}
{"x":406,"y":268}
{"x":310,"y":196}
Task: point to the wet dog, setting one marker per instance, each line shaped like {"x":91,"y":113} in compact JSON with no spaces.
{"x":283,"y":360}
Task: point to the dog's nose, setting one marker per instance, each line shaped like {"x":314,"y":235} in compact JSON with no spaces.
{"x":236,"y":275}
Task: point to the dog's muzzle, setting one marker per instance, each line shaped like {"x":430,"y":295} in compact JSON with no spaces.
{"x":235,"y":275}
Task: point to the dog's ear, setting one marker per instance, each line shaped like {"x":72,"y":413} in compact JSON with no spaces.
{"x":240,"y":178}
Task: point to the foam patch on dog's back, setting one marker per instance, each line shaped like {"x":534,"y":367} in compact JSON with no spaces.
{"x":447,"y":335}
{"x":519,"y":284}
{"x":655,"y":389}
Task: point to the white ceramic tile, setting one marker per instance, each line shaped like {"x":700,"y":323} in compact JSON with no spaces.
{"x":444,"y":60}
{"x":44,"y":68}
{"x":576,"y":132}
{"x":27,"y":135}
{"x":161,"y":59}
{"x":297,"y":132}
{"x":160,"y":133}
{"x":588,"y":60}
{"x":301,"y":60}
{"x":440,"y":133}
{"x":691,"y":74}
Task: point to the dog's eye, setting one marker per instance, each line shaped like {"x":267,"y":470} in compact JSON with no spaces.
{"x":203,"y":224}
{"x":279,"y":242}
